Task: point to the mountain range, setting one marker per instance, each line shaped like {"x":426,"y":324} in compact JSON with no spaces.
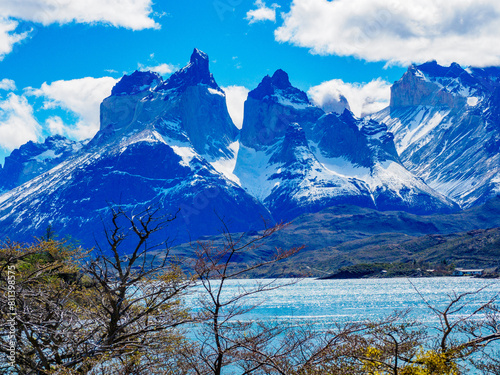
{"x":171,"y":143}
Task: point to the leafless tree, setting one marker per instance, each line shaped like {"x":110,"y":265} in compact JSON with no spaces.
{"x":116,"y":314}
{"x":225,"y":340}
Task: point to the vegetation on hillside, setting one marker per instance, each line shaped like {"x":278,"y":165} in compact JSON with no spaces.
{"x":70,"y":311}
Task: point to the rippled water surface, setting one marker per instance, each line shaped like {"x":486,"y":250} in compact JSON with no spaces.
{"x":325,"y":301}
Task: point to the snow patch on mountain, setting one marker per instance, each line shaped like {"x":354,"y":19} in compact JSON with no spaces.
{"x":445,"y":123}
{"x":226,"y":165}
{"x":472,"y":101}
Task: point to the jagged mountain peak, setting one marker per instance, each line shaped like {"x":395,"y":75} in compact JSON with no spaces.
{"x":279,"y":87}
{"x":280,"y":79}
{"x":33,"y":159}
{"x":196,"y":72}
{"x":433,"y":69}
{"x":294,"y":142}
{"x":445,"y":123}
{"x":136,"y":82}
{"x":199,"y":57}
{"x":271,"y":107}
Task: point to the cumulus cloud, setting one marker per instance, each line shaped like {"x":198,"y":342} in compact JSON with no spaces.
{"x":397,"y":31}
{"x":262,"y":13}
{"x":161,"y":69}
{"x":8,"y":36}
{"x":131,"y":14}
{"x":79,"y":96}
{"x":56,"y":125}
{"x":235,"y":100}
{"x":7,"y":84}
{"x":17,"y":123}
{"x":363,"y":98}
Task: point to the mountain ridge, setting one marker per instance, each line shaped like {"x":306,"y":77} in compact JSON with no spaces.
{"x":172,"y":143}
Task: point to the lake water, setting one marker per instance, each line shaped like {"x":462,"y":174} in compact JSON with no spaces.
{"x":321,"y":303}
{"x":326,"y":301}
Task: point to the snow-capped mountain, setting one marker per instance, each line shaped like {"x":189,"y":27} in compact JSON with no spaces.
{"x":295,"y":158}
{"x":172,"y":143}
{"x":33,"y":159}
{"x":447,"y":129}
{"x":154,"y":147}
{"x":189,"y":106}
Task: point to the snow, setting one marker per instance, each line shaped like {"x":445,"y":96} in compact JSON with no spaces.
{"x":183,"y":149}
{"x":472,"y":101}
{"x":226,"y":165}
{"x":49,"y":154}
{"x":253,"y":170}
{"x":496,"y":182}
{"x":341,"y":166}
{"x":413,"y":126}
{"x":216,"y":92}
{"x":287,"y":102}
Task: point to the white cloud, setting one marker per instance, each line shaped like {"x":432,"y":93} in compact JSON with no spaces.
{"x":7,"y":85}
{"x":17,"y":123}
{"x":235,"y":100}
{"x":82,"y":96}
{"x":56,"y":125}
{"x":8,"y":36}
{"x":161,"y":69}
{"x":363,"y":98}
{"x":397,"y":31}
{"x":262,"y":13}
{"x":131,"y":14}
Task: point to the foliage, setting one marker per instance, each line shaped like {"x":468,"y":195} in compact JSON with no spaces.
{"x":395,"y":269}
{"x":106,"y":313}
{"x":224,"y":341}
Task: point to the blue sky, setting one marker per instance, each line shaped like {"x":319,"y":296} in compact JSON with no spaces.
{"x":60,"y":58}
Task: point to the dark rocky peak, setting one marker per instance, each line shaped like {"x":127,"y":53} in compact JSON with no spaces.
{"x":294,"y":142}
{"x":433,"y":69}
{"x":278,"y":85}
{"x":56,"y":143}
{"x":348,"y":117}
{"x":200,"y":58}
{"x":442,"y":74}
{"x":32,"y":159}
{"x":196,"y":72}
{"x":361,"y":141}
{"x":280,"y":79}
{"x":136,"y":82}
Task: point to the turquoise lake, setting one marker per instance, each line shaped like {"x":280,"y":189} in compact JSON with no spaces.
{"x":326,"y":301}
{"x":321,"y":303}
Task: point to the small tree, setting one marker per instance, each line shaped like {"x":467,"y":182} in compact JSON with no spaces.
{"x":45,"y":279}
{"x":224,"y":340}
{"x":116,"y":314}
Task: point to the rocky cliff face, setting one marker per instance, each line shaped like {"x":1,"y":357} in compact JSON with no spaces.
{"x":33,"y":159}
{"x":295,"y":158}
{"x":172,"y":144}
{"x":415,"y":89}
{"x":271,"y":107}
{"x":154,"y":147}
{"x":189,"y":105}
{"x":445,"y":122}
